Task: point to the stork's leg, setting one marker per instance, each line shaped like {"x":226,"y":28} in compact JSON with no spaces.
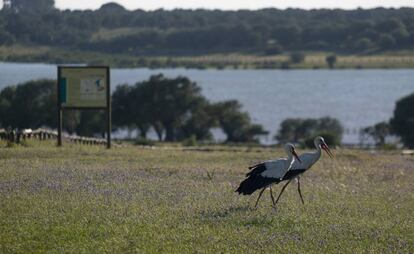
{"x":271,"y":195}
{"x":283,"y":189}
{"x":260,"y":195}
{"x":300,"y":193}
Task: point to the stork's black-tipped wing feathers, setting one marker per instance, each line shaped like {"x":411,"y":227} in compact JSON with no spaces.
{"x":256,"y":169}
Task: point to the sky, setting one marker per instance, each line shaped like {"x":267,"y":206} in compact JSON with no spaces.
{"x":234,"y":4}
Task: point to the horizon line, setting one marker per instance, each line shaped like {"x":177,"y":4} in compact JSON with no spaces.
{"x":62,"y":7}
{"x":245,"y":9}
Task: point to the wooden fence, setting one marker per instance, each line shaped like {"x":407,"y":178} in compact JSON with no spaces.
{"x":17,"y":137}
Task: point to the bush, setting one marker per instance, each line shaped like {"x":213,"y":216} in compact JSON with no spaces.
{"x":331,"y":139}
{"x":144,"y":142}
{"x":190,"y":141}
{"x":386,"y":41}
{"x":388,"y":147}
{"x":299,"y":130}
{"x":285,"y":65}
{"x":378,"y":132}
{"x":274,"y":49}
{"x":297,"y":57}
{"x":363,"y":44}
{"x":331,"y":61}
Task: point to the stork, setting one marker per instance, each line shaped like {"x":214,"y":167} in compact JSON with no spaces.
{"x":264,"y":174}
{"x":307,"y":160}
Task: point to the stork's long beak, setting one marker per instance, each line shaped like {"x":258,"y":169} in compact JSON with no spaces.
{"x":296,"y":156}
{"x":327,"y":150}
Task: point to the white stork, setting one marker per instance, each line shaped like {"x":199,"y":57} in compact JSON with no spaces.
{"x":307,"y":161}
{"x":263,"y":175}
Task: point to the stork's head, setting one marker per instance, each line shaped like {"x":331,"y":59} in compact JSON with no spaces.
{"x":290,"y":150}
{"x":320,"y":142}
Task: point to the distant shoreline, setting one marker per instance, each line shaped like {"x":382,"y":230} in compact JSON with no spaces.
{"x":312,"y":60}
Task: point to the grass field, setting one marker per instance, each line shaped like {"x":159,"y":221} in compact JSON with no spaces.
{"x":313,"y":60}
{"x":81,"y":199}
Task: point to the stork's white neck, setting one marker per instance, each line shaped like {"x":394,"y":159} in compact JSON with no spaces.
{"x":290,"y":158}
{"x":315,"y":156}
{"x":318,"y":152}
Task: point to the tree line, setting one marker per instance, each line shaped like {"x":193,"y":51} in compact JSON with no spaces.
{"x":176,"y":110}
{"x":113,"y":29}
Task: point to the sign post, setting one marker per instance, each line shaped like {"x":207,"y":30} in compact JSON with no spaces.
{"x":84,"y":88}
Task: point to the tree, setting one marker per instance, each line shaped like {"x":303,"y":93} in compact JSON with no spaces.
{"x":171,"y":100}
{"x":7,"y":96}
{"x":331,"y":60}
{"x":378,"y":132}
{"x":287,"y":35}
{"x":330,"y":125}
{"x":92,"y":122}
{"x":363,"y":44}
{"x":297,"y":57}
{"x":174,"y":107}
{"x":29,"y":105}
{"x":251,"y":132}
{"x":121,"y":106}
{"x":299,"y":130}
{"x":6,"y":38}
{"x":71,"y":120}
{"x":401,"y":35}
{"x":112,"y":7}
{"x":402,"y":122}
{"x":273,"y":48}
{"x":386,"y":41}
{"x":237,"y":124}
{"x":129,"y":109}
{"x":289,"y":131}
{"x":31,"y":5}
{"x":34,"y":104}
{"x":180,"y":32}
{"x":199,"y":123}
{"x":331,"y":139}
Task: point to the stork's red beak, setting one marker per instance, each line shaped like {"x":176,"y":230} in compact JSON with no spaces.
{"x":325,"y":147}
{"x":296,"y":156}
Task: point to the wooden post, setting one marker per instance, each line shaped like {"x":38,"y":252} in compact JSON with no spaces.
{"x":108,"y":109}
{"x":60,"y":126}
{"x":59,"y":107}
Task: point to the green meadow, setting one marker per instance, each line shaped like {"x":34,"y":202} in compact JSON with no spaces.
{"x":84,"y":199}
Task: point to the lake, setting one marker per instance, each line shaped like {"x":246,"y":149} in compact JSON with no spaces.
{"x":358,"y":98}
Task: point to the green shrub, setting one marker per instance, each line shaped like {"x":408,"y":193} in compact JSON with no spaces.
{"x":298,"y":130}
{"x":190,"y":141}
{"x":297,"y":57}
{"x":388,"y":147}
{"x":144,"y":142}
{"x":331,"y":139}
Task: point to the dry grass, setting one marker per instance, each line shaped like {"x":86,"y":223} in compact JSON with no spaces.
{"x":87,"y":199}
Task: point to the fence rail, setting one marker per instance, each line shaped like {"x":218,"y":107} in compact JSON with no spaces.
{"x":19,"y":136}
